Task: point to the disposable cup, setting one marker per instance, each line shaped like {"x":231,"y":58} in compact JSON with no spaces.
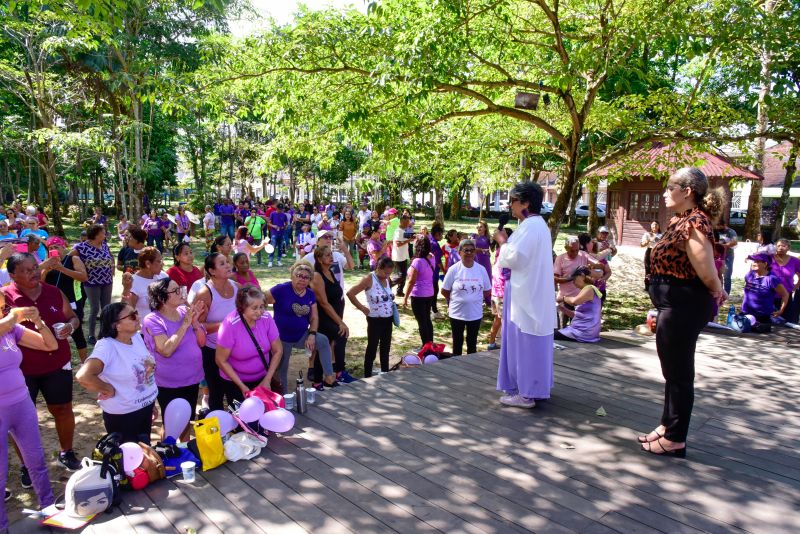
{"x":57,"y":328}
{"x":311,"y":395}
{"x":188,"y":471}
{"x":289,"y":400}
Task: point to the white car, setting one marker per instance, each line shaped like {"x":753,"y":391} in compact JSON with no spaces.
{"x":547,"y":208}
{"x":738,"y":217}
{"x":583,"y":210}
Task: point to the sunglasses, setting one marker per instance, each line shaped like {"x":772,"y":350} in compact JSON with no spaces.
{"x":132,"y":315}
{"x":302,"y":276}
{"x":468,"y":251}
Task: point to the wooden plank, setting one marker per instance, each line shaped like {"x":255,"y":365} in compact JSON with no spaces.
{"x":115,"y":522}
{"x":143,"y":514}
{"x":178,"y":508}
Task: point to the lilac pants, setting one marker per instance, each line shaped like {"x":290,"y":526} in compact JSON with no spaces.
{"x":22,"y":423}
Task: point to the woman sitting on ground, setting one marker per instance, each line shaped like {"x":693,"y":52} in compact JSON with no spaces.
{"x":122,"y":372}
{"x":18,"y":416}
{"x":761,"y":289}
{"x":585,"y":324}
{"x":174,"y":335}
{"x":240,"y":363}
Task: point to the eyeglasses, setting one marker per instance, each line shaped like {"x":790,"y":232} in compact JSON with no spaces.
{"x":302,"y":276}
{"x":178,"y":290}
{"x":134,"y":315}
{"x":468,"y":251}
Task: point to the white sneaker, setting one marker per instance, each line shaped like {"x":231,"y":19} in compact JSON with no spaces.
{"x":269,"y":265}
{"x":280,"y":264}
{"x":517,"y":401}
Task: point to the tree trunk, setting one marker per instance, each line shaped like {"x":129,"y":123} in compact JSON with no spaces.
{"x":566,"y":185}
{"x":752,"y":224}
{"x":791,"y":168}
{"x":52,"y":189}
{"x":592,"y":224}
{"x":455,"y":205}
{"x":438,"y":217}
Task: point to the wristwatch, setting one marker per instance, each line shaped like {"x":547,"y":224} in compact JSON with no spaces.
{"x":312,"y":332}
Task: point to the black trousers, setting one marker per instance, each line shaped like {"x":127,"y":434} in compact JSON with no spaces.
{"x":400,"y":280}
{"x":421,"y":306}
{"x":683,"y":310}
{"x":216,"y":386}
{"x":231,"y":391}
{"x":434,"y":306}
{"x":379,"y":333}
{"x":472,"y":327}
{"x":134,"y":426}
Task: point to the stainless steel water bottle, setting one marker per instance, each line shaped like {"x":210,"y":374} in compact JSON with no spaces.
{"x":300,"y":400}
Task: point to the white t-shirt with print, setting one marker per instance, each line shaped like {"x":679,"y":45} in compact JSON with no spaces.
{"x":467,"y":286}
{"x":130,"y":369}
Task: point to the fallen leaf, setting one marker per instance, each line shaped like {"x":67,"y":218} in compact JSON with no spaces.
{"x":566,"y":445}
{"x":601,"y":411}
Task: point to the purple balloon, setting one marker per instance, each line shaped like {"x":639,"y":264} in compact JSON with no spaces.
{"x":176,"y":417}
{"x":411,"y":359}
{"x":431,"y":358}
{"x":251,"y":409}
{"x":226,"y":421}
{"x":280,"y":420}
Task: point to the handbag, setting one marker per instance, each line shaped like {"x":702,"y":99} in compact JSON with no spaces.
{"x":274,"y":383}
{"x":395,"y":310}
{"x":209,"y":443}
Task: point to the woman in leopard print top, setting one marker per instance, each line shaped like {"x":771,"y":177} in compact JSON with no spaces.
{"x":683,"y":287}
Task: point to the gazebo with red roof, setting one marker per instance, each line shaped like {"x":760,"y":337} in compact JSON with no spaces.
{"x":636,"y":185}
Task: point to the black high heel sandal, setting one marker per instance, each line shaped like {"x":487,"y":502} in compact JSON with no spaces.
{"x":643,"y":439}
{"x":677,"y":453}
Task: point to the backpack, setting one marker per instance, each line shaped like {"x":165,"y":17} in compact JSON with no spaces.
{"x":90,"y":490}
{"x":108,"y":452}
{"x":152,"y":464}
{"x":740,"y":323}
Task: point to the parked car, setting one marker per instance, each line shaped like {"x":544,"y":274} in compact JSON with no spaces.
{"x":583,"y":210}
{"x":738,"y":217}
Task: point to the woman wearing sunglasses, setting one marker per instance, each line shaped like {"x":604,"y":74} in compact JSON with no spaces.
{"x":122,"y":373}
{"x":175,"y":336}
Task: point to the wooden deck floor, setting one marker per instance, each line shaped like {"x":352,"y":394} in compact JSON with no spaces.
{"x":430,"y":449}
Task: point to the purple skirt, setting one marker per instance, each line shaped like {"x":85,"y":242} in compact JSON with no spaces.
{"x":526,"y":361}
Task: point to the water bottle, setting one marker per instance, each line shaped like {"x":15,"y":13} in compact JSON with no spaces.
{"x":300,"y":400}
{"x":731,"y":314}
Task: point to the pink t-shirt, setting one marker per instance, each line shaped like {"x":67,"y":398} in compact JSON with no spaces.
{"x":244,"y":356}
{"x":423,"y":287}
{"x":564,"y":266}
{"x":185,"y":366}
{"x":14,"y":389}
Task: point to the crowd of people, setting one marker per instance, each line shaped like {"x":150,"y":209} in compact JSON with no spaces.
{"x":210,"y":333}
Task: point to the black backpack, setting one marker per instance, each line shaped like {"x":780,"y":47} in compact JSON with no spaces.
{"x":109,"y":454}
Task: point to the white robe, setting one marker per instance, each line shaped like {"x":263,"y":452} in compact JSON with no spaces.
{"x":529,"y":255}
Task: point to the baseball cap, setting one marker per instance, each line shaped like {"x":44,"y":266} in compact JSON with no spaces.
{"x":602,"y":229}
{"x":325,"y":233}
{"x":760,"y":257}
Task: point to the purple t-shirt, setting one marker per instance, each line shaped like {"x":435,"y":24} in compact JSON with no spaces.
{"x":787,"y":272}
{"x":436,"y":250}
{"x":244,"y":357}
{"x":374,"y":246}
{"x":278,"y":220}
{"x":14,"y":389}
{"x":423,"y":287}
{"x":292,"y":312}
{"x":226,"y":214}
{"x":759,"y":293}
{"x":185,"y":366}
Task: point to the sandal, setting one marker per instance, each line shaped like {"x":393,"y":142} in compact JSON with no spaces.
{"x":677,"y":453}
{"x":648,"y":439}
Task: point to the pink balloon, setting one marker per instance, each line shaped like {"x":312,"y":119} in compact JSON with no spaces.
{"x":176,"y":417}
{"x":132,"y":456}
{"x":226,"y":421}
{"x":251,"y":409}
{"x":280,"y":420}
{"x":431,"y":358}
{"x":411,"y":359}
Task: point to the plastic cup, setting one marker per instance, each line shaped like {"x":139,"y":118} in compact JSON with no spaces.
{"x":188,"y":471}
{"x":289,"y":400}
{"x":311,"y":395}
{"x":57,"y":329}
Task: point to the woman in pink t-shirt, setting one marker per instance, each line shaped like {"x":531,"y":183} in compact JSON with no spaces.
{"x":240,"y":364}
{"x":242,"y":274}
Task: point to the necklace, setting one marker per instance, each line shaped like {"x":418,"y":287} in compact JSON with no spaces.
{"x":298,"y":293}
